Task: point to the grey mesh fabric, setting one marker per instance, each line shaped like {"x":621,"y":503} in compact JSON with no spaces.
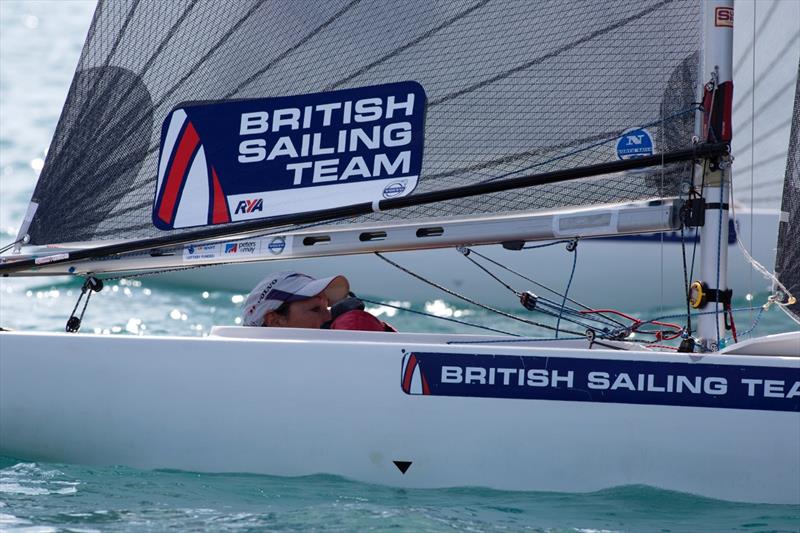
{"x":787,"y":261}
{"x":513,"y":88}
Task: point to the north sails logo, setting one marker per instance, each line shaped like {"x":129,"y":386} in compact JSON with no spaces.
{"x":249,"y":206}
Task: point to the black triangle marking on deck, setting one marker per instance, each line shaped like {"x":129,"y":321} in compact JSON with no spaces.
{"x":402,"y":466}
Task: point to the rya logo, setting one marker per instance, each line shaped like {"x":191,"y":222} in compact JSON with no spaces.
{"x":249,"y":206}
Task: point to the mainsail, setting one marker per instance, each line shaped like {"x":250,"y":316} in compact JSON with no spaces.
{"x":787,"y":261}
{"x":512,"y":88}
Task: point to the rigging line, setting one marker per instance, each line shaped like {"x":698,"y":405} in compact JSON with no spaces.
{"x":719,"y":248}
{"x":431,"y":315}
{"x":771,"y":159}
{"x":786,"y":124}
{"x":763,"y":77}
{"x":569,"y":283}
{"x":752,"y":150}
{"x":466,"y":299}
{"x":555,"y":53}
{"x":408,"y":45}
{"x":758,"y":267}
{"x":467,"y":251}
{"x":283,"y":55}
{"x":761,"y":28}
{"x":522,"y":339}
{"x":545,"y":287}
{"x":774,"y":99}
{"x":11,"y":245}
{"x":686,"y":285}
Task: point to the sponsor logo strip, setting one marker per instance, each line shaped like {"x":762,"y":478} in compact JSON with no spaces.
{"x":723,"y":17}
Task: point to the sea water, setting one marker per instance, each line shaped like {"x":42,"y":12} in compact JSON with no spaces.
{"x":39,"y":46}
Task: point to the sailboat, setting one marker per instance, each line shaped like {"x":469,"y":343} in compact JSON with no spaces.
{"x":198,"y":133}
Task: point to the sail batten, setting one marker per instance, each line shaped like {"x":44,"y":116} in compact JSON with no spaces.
{"x":512,"y":88}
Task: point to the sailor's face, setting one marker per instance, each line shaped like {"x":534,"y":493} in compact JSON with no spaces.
{"x":310,"y":313}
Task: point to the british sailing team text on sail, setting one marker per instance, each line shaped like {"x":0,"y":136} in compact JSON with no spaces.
{"x":679,"y":384}
{"x":347,"y":112}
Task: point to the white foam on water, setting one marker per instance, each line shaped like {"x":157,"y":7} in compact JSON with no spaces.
{"x":29,"y":480}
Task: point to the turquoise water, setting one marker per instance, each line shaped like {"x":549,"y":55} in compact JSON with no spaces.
{"x":39,"y":46}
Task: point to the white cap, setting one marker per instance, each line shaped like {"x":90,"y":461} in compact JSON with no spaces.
{"x":289,"y":286}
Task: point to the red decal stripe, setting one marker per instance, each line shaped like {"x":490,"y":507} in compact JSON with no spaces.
{"x":220,"y":214}
{"x":412,"y":364}
{"x":425,"y":388}
{"x":187,"y":145}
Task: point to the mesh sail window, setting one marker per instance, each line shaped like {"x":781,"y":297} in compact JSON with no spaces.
{"x":512,"y":88}
{"x":787,"y":261}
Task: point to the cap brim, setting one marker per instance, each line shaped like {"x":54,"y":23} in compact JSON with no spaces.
{"x":334,"y":287}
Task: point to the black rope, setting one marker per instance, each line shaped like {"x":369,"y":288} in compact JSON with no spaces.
{"x":469,"y":300}
{"x":431,"y":315}
{"x":545,"y":287}
{"x":92,"y":284}
{"x":24,"y":240}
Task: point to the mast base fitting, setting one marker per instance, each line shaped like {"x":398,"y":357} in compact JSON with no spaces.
{"x":700,"y":295}
{"x":686,"y":345}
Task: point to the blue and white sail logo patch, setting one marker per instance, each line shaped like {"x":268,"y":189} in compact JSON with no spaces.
{"x":249,"y":159}
{"x":635,"y":143}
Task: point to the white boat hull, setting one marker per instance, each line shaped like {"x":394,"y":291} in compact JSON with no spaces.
{"x":302,"y":402}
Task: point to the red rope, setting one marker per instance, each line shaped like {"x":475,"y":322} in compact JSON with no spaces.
{"x":660,"y":334}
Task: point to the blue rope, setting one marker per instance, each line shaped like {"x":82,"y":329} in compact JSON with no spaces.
{"x":757,"y":318}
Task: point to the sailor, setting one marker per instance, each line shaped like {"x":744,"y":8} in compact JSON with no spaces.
{"x":290,"y":299}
